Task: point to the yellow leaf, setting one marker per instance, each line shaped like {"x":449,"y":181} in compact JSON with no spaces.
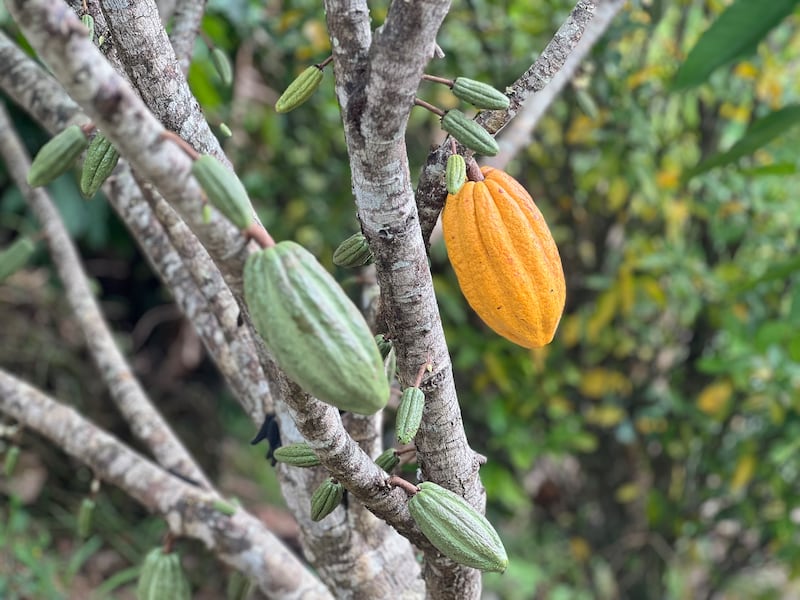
{"x":668,"y":179}
{"x":746,"y":70}
{"x":713,"y":399}
{"x":627,"y":291}
{"x":605,"y":416}
{"x":743,"y":473}
{"x":581,"y":129}
{"x":569,"y":330}
{"x":597,"y":382}
{"x":606,"y":307}
{"x":627,"y":493}
{"x":580,"y":549}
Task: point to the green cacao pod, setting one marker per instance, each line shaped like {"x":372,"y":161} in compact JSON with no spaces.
{"x":13,"y":258}
{"x":326,"y":498}
{"x":88,"y":22}
{"x":101,"y":158}
{"x":456,"y":529}
{"x":390,"y":366}
{"x":223,"y":66}
{"x":239,"y":586}
{"x":85,"y":514}
{"x":57,"y":156}
{"x":297,"y":455}
{"x":388,"y":460}
{"x":469,"y":133}
{"x":409,"y":414}
{"x":162,"y":577}
{"x":455,"y":173}
{"x":224,"y":190}
{"x":384,"y":345}
{"x":10,"y":460}
{"x":353,"y":252}
{"x":300,"y":90}
{"x":316,"y":334}
{"x":479,"y":94}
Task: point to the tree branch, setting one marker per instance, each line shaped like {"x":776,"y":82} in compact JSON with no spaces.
{"x":145,"y":421}
{"x":185,"y":25}
{"x":431,"y":192}
{"x":239,"y":540}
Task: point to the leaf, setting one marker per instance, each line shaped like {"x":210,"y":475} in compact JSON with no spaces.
{"x":735,"y":33}
{"x":759,"y":134}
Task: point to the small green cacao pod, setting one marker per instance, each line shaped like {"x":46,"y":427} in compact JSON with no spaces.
{"x":223,"y":66}
{"x":456,"y":529}
{"x":88,"y":22}
{"x":390,"y":366}
{"x":479,"y":94}
{"x":10,"y":460}
{"x":300,"y":90}
{"x":388,"y":460}
{"x":224,"y":190}
{"x":57,"y":156}
{"x":162,"y":577}
{"x":353,"y":252}
{"x":299,"y":454}
{"x":326,"y":498}
{"x":315,"y":332}
{"x":13,"y":258}
{"x":101,"y":158}
{"x":409,"y":414}
{"x":225,"y":130}
{"x":85,"y":514}
{"x":455,"y":173}
{"x":239,"y":586}
{"x":384,"y":345}
{"x":469,"y":133}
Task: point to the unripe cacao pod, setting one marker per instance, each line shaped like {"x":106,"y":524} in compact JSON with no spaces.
{"x":315,"y":332}
{"x":455,"y":173}
{"x":85,"y":517}
{"x":384,"y":345}
{"x":223,"y":66}
{"x":10,"y":460}
{"x":326,"y":498}
{"x":57,"y":156}
{"x":224,"y":190}
{"x":479,"y":94}
{"x":353,"y":252}
{"x":299,"y":454}
{"x":469,"y":133}
{"x":88,"y":22}
{"x":456,"y":529}
{"x":409,"y":414}
{"x":13,"y":258}
{"x":101,"y":158}
{"x":162,"y":577}
{"x":388,"y":460}
{"x":300,"y":90}
{"x":505,"y":258}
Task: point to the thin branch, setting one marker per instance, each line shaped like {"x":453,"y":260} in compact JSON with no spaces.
{"x":145,"y":421}
{"x":185,"y":25}
{"x":239,"y":540}
{"x":431,"y":191}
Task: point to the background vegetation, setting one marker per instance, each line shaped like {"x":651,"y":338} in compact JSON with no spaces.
{"x":648,"y":452}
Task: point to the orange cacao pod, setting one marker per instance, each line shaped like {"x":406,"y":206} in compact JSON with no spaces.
{"x":505,"y":258}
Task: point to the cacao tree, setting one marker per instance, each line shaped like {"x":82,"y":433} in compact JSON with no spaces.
{"x":113,"y":68}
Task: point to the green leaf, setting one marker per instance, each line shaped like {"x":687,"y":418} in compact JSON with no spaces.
{"x":735,"y":33}
{"x":759,"y":134}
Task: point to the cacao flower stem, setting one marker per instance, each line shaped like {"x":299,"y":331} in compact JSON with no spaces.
{"x":408,"y":487}
{"x":453,"y":147}
{"x":258,"y":232}
{"x":169,"y":540}
{"x":473,"y":170}
{"x":324,"y":63}
{"x":437,"y":111}
{"x":421,"y":373}
{"x":181,"y":143}
{"x":88,"y":129}
{"x":435,"y":79}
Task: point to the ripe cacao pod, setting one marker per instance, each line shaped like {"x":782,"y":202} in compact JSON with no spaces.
{"x":57,"y":155}
{"x":353,"y":252}
{"x":224,"y":190}
{"x":315,"y":332}
{"x":101,"y":158}
{"x":326,"y":498}
{"x":300,"y":90}
{"x":409,"y":414}
{"x":455,"y":173}
{"x":299,"y":454}
{"x":388,"y":460}
{"x":469,"y":133}
{"x":162,"y":577}
{"x":456,"y":529}
{"x":505,"y":258}
{"x":479,"y":94}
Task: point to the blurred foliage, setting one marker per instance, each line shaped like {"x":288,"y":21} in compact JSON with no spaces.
{"x":648,"y":451}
